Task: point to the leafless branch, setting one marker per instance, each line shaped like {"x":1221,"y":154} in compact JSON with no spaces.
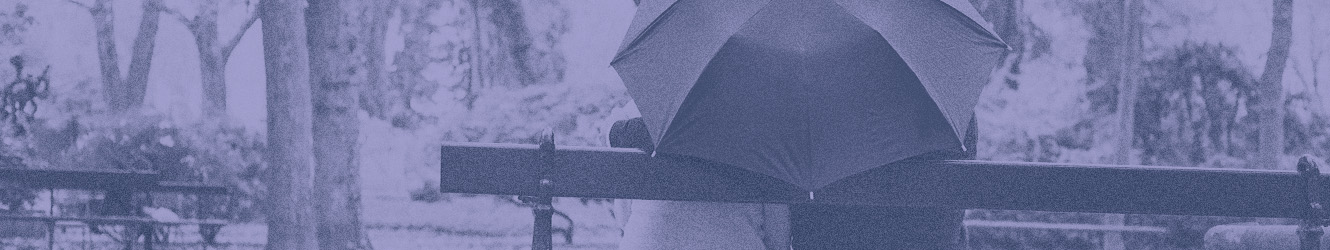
{"x":235,"y":39}
{"x":80,"y":4}
{"x":181,"y":17}
{"x":1297,"y":71}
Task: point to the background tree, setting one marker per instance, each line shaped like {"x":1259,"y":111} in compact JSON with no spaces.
{"x":1112,"y":58}
{"x":502,"y":50}
{"x":128,"y":93}
{"x":486,"y":44}
{"x":377,"y":98}
{"x":290,"y":213}
{"x":14,"y":25}
{"x":1174,"y":129}
{"x":1305,"y":133}
{"x":391,"y":97}
{"x":1031,"y":44}
{"x":1129,"y":49}
{"x":337,"y":69}
{"x":1272,"y":88}
{"x":213,"y":52}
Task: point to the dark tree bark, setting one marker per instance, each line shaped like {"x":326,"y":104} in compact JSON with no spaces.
{"x":213,"y":53}
{"x":373,"y":95}
{"x":1129,"y":47}
{"x":136,"y":81}
{"x":503,"y":51}
{"x":1272,"y":89}
{"x":103,"y":20}
{"x":1112,"y":64}
{"x":393,"y":98}
{"x":290,"y":213}
{"x":503,"y":40}
{"x":124,"y":93}
{"x":1104,"y":55}
{"x":512,"y":55}
{"x":337,"y":67}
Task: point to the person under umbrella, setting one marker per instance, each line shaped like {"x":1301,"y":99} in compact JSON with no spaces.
{"x":806,"y":91}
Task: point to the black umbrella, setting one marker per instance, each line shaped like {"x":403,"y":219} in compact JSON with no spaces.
{"x":806,"y":91}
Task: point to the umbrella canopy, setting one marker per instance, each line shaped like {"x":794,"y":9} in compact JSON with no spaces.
{"x":806,"y":91}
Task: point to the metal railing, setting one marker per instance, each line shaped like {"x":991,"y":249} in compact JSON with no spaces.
{"x":106,"y":180}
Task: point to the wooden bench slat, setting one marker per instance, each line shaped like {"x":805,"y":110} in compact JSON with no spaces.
{"x":77,"y":178}
{"x":515,"y":169}
{"x":113,"y":220}
{"x":191,"y":187}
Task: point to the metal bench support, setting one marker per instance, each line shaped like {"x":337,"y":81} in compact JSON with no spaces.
{"x":1310,"y":230}
{"x":542,"y":204}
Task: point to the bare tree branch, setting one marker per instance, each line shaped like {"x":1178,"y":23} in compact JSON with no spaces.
{"x":235,"y":39}
{"x":80,"y":4}
{"x":1297,"y":71}
{"x":178,"y":16}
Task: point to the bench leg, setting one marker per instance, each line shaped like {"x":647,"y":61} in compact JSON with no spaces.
{"x":148,"y":236}
{"x":209,"y":233}
{"x":1309,"y":233}
{"x":50,"y":235}
{"x":542,"y":234}
{"x":1310,"y":236}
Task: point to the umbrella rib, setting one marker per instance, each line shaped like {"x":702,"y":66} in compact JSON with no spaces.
{"x":975,"y":19}
{"x":805,"y":100}
{"x":638,"y":38}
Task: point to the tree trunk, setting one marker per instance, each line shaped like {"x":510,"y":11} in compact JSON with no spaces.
{"x":1111,"y":63}
{"x":213,"y":74}
{"x":1272,"y":89}
{"x":374,"y":98}
{"x":408,"y":80}
{"x":213,"y":54}
{"x":212,"y":68}
{"x":1129,"y":50}
{"x":103,"y":19}
{"x":128,"y":92}
{"x":337,"y":66}
{"x":506,"y":52}
{"x":503,"y":51}
{"x":136,"y":82}
{"x":480,"y":71}
{"x":290,"y":213}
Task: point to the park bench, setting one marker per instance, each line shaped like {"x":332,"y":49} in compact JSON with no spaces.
{"x":124,"y":182}
{"x":596,"y":172}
